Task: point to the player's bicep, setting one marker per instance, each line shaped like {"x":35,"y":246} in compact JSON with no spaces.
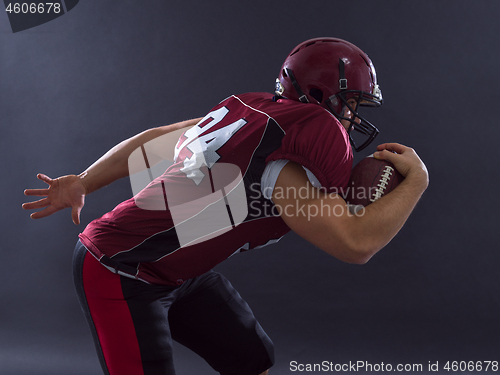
{"x":321,"y":218}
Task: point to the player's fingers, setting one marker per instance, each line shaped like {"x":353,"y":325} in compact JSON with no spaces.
{"x":382,"y":146}
{"x":385,"y":155}
{"x":38,"y":192}
{"x":44,"y":178}
{"x":75,"y":214}
{"x":43,"y":213}
{"x":37,"y":204}
{"x":394,"y":147}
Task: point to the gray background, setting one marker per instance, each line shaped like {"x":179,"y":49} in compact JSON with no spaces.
{"x":74,"y":87}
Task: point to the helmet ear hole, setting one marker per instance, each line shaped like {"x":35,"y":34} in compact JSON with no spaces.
{"x":316,"y":94}
{"x":284,"y":73}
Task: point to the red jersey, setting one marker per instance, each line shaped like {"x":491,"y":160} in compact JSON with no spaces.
{"x":145,"y":237}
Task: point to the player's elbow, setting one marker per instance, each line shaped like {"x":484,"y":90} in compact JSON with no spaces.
{"x":363,"y":249}
{"x":361,"y":258}
{"x":358,"y":255}
{"x":343,"y":243}
{"x":353,"y":250}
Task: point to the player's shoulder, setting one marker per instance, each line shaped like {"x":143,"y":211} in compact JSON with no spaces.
{"x":303,"y":115}
{"x":310,"y":121}
{"x":285,"y":110}
{"x":250,"y":98}
{"x":292,"y":116}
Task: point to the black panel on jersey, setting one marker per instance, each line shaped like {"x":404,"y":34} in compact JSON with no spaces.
{"x":152,"y":249}
{"x":271,"y":140}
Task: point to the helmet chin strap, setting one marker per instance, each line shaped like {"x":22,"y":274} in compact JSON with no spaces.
{"x":342,"y":79}
{"x":302,"y":96}
{"x":354,"y":113}
{"x":343,"y":116}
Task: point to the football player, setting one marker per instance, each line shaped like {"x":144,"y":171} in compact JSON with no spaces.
{"x":255,"y":167}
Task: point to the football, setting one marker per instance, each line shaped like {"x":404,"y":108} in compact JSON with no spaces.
{"x":371,"y":179}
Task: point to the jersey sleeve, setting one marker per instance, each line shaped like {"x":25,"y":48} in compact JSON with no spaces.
{"x":320,"y":144}
{"x":271,"y":173}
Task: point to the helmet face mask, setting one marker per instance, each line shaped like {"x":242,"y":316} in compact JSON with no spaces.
{"x":330,"y":72}
{"x":361,"y":131}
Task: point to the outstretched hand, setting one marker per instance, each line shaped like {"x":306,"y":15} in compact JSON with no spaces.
{"x":63,"y":192}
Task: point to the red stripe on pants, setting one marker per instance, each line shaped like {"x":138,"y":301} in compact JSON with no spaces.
{"x":112,"y":319}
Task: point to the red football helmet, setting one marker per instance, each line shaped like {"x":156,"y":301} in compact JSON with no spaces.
{"x":330,"y":72}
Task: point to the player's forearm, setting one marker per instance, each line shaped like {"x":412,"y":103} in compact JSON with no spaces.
{"x":114,"y":164}
{"x":384,"y":218}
